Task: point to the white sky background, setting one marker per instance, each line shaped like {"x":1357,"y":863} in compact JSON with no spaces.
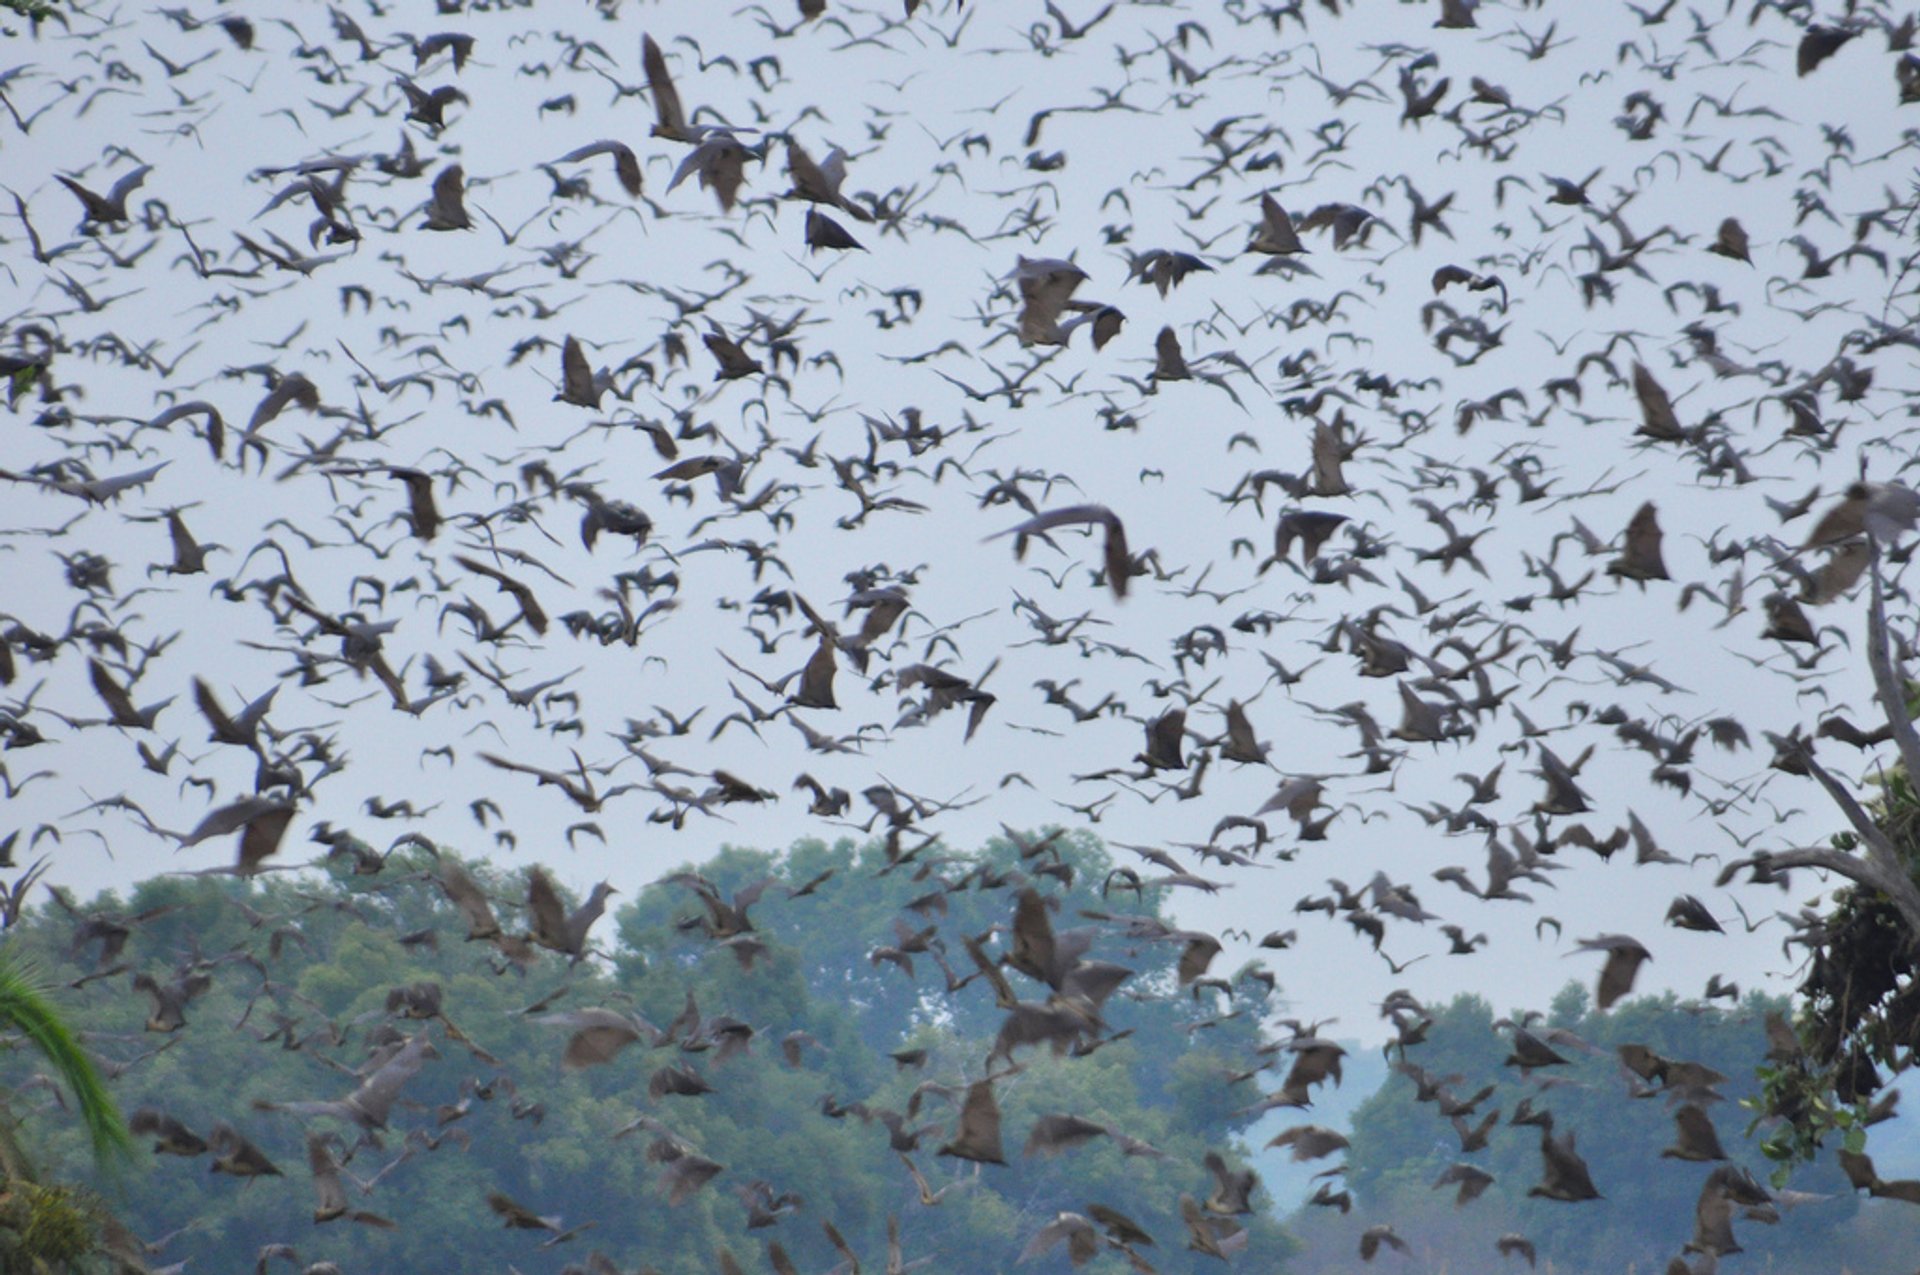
{"x":899,"y":103}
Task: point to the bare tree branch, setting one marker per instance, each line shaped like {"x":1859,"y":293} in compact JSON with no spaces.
{"x":1898,"y":888}
{"x":1887,"y":684}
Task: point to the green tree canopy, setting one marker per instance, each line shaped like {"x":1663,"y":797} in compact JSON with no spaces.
{"x":299,"y":984}
{"x":1621,"y":1124}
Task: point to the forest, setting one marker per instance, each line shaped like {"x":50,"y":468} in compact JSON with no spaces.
{"x":946,"y":635}
{"x":781,"y":1063}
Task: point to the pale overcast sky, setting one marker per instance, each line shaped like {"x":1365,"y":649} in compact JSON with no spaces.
{"x":936,"y":115}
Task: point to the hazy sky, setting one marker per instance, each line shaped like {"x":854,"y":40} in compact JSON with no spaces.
{"x":936,"y":115}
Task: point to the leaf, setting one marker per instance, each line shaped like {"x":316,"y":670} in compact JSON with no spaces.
{"x":25,"y":1008}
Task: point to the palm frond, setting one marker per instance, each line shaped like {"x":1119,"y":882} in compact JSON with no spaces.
{"x":26,"y":1008}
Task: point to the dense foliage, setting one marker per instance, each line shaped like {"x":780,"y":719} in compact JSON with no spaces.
{"x":300,"y":976}
{"x":44,"y":1226}
{"x":1401,"y":1146}
{"x":1859,"y":1006}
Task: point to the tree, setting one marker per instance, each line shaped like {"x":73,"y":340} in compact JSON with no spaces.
{"x":1401,"y":1146}
{"x":43,"y":1226}
{"x":1858,"y":1020}
{"x":299,"y":985}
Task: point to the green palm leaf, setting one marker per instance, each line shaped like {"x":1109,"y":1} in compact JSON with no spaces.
{"x":25,"y":1008}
